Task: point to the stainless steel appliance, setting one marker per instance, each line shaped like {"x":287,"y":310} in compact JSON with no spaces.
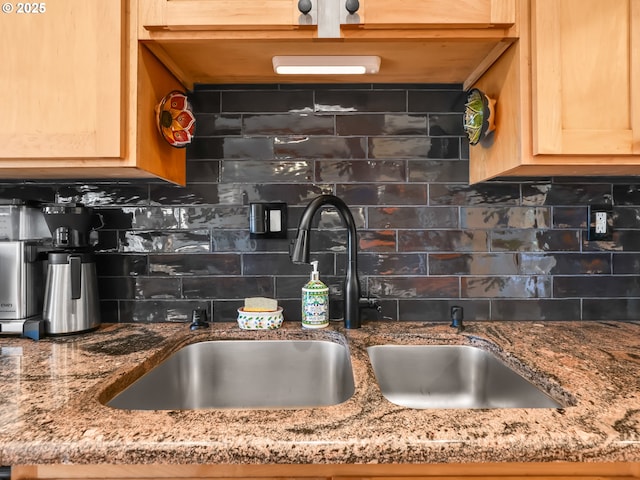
{"x":23,"y":233}
{"x":70,"y":225}
{"x":71,"y":298}
{"x":21,"y":220}
{"x":71,"y":303}
{"x":21,"y":288}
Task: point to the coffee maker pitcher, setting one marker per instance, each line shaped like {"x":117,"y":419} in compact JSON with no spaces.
{"x":71,"y":303}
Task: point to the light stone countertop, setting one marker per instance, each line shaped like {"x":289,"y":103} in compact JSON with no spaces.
{"x":50,"y":410}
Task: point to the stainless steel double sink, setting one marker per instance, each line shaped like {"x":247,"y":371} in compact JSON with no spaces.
{"x":451,"y":376}
{"x":245,"y":374}
{"x":272,"y":374}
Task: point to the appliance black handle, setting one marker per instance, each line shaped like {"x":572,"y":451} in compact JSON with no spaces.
{"x":75,"y":264}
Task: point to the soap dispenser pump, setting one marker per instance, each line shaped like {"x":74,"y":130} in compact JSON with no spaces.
{"x":315,"y":301}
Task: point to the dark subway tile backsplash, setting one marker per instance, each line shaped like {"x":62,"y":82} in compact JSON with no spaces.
{"x":417,"y":217}
{"x":505,"y":250}
{"x":202,"y":264}
{"x":377,"y":124}
{"x":360,"y":100}
{"x":540,"y":309}
{"x":445,"y":100}
{"x":473,"y":264}
{"x":571,"y":194}
{"x":438,"y":171}
{"x":443,"y":241}
{"x":165,"y":241}
{"x":535,"y":240}
{"x":383,"y":194}
{"x":288,"y":124}
{"x":495,"y":194}
{"x":262,"y":101}
{"x":503,"y":286}
{"x":246,"y":171}
{"x":327,"y":147}
{"x":493,"y":217}
{"x":336,"y":171}
{"x":227,"y":287}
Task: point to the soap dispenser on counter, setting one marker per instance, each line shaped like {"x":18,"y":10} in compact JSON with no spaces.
{"x":315,"y":301}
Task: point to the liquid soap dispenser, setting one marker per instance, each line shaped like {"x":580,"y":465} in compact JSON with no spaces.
{"x":315,"y":301}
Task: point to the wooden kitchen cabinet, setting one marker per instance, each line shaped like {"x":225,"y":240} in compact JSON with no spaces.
{"x":567,"y":101}
{"x":586,"y":77}
{"x":225,"y":14}
{"x":438,"y":13}
{"x":62,"y":87}
{"x":432,"y":41}
{"x":217,"y":14}
{"x":79,"y":93}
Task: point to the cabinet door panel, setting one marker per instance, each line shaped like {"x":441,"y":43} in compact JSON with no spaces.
{"x":61,"y":81}
{"x":585,"y":69}
{"x":205,"y":14}
{"x":462,"y":13}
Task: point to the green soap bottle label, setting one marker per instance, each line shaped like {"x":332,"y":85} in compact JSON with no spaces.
{"x":315,"y":305}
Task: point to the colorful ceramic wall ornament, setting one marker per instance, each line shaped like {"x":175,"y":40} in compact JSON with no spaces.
{"x":175,"y":120}
{"x":479,"y":115}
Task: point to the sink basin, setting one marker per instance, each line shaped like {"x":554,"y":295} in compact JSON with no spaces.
{"x":244,"y":374}
{"x":451,"y":376}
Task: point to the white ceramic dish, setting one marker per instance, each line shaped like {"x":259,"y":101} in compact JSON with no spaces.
{"x":260,"y":320}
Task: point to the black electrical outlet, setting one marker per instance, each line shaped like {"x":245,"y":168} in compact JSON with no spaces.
{"x":600,"y":223}
{"x":268,"y":220}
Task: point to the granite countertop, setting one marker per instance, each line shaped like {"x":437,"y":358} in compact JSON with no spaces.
{"x":50,"y":410}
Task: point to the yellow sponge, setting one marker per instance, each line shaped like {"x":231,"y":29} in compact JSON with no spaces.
{"x":260,"y":304}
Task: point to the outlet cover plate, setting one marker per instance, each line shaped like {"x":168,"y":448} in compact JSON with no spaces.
{"x":599,"y":231}
{"x":268,"y":220}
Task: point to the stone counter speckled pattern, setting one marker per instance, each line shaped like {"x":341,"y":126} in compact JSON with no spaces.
{"x":50,"y":410}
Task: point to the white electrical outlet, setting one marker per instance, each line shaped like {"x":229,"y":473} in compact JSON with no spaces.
{"x":601,"y":223}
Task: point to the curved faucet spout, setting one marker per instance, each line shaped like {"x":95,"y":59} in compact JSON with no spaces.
{"x":301,"y":247}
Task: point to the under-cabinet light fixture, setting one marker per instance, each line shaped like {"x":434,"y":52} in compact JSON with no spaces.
{"x":325,"y":64}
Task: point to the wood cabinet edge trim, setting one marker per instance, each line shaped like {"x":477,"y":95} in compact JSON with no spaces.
{"x":344,"y":471}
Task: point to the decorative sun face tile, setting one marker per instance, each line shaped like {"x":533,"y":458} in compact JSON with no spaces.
{"x":175,"y":119}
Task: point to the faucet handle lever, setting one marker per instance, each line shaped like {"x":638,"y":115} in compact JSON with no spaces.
{"x":198,"y":319}
{"x":370,"y":302}
{"x":457,"y":315}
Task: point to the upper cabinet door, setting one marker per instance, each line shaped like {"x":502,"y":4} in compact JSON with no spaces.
{"x":205,"y":14}
{"x":586,"y":77}
{"x":439,"y":13}
{"x":61,"y":79}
